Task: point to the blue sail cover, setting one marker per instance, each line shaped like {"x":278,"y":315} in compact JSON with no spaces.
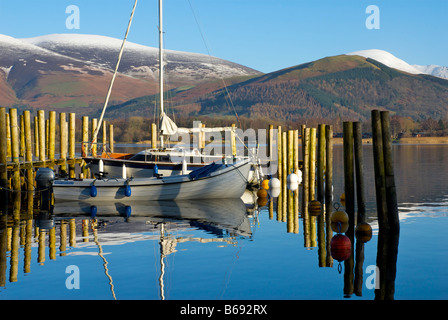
{"x":205,"y":171}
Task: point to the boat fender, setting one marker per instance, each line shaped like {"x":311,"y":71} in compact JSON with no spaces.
{"x":127,"y":191}
{"x":93,"y":211}
{"x":156,"y":170}
{"x":93,"y":191}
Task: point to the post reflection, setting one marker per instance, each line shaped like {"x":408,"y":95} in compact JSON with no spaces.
{"x":40,"y":236}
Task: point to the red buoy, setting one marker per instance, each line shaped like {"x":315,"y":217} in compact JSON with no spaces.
{"x":340,"y":247}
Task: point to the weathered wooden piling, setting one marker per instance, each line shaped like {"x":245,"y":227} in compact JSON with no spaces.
{"x":52,"y":135}
{"x":359,"y":172}
{"x":3,"y":156}
{"x":15,"y":148}
{"x":305,"y":188}
{"x":312,"y":164}
{"x":94,"y":147}
{"x":328,"y":189}
{"x":349,"y":179}
{"x":41,"y":133}
{"x":104,"y":140}
{"x":378,"y":160}
{"x":28,"y":150}
{"x":388,"y":219}
{"x":8,"y":136}
{"x":153,"y":135}
{"x":391,"y":192}
{"x":111,"y":137}
{"x":71,"y":143}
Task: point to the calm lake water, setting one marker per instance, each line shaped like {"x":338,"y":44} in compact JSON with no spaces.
{"x":227,"y":249}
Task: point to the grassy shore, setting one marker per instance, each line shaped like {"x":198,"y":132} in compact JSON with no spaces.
{"x":424,"y":140}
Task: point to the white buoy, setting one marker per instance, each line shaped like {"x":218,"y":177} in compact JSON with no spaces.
{"x":293,"y":186}
{"x":274,"y":183}
{"x":101,"y":166}
{"x":123,"y":171}
{"x":292,"y":178}
{"x":274,"y":192}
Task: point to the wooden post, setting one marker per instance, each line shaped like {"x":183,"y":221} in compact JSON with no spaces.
{"x":28,"y":150}
{"x":233,"y":140}
{"x":8,"y":136}
{"x":94,"y":146}
{"x":305,"y":189}
{"x":15,"y":147}
{"x":71,"y":143}
{"x":349,"y":187}
{"x":63,"y":141}
{"x":312,"y":165}
{"x":270,"y":141}
{"x":284,"y":175}
{"x":36,"y":137}
{"x":22,"y":137}
{"x":349,"y":182}
{"x":359,"y":170}
{"x":328,"y":189}
{"x":391,"y":192}
{"x":3,"y":157}
{"x":51,"y":135}
{"x":280,"y":172}
{"x":104,"y":149}
{"x":153,"y":136}
{"x":41,"y":122}
{"x":321,"y":164}
{"x":85,"y":136}
{"x":111,"y":138}
{"x":378,"y":158}
{"x":279,"y":154}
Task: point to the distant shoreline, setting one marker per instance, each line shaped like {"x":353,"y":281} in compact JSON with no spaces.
{"x":413,"y":140}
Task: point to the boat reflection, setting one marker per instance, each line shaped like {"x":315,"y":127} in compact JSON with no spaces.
{"x":218,"y":215}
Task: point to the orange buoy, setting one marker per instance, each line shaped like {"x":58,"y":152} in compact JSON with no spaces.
{"x":363,"y":232}
{"x":262,"y":202}
{"x":314,"y":208}
{"x":265,"y":184}
{"x":340,"y":247}
{"x":262,"y":193}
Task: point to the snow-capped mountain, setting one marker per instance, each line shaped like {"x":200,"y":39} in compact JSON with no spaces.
{"x":437,"y":71}
{"x":73,"y":70}
{"x":138,"y":60}
{"x":392,"y":61}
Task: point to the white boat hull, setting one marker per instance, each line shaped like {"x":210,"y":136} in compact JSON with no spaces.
{"x":228,"y":182}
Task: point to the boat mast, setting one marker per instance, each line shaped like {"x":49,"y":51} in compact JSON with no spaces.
{"x":161,"y":65}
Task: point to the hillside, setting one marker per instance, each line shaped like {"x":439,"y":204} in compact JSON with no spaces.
{"x":70,"y":72}
{"x":343,"y":87}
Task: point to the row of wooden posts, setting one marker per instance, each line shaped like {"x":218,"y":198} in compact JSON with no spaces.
{"x":18,"y":149}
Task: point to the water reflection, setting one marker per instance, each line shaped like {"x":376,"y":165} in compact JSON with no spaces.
{"x":65,"y":226}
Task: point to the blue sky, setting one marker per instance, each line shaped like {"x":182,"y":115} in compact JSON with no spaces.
{"x":266,"y":35}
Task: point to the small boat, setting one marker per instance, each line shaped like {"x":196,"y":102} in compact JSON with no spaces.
{"x":214,"y":181}
{"x":162,"y":160}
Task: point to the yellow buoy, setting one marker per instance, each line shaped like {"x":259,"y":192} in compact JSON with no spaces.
{"x":314,"y":208}
{"x":265,"y":184}
{"x":363,"y":232}
{"x":339,"y":221}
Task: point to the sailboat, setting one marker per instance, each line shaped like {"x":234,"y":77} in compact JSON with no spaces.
{"x":212,"y":181}
{"x":162,"y":160}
